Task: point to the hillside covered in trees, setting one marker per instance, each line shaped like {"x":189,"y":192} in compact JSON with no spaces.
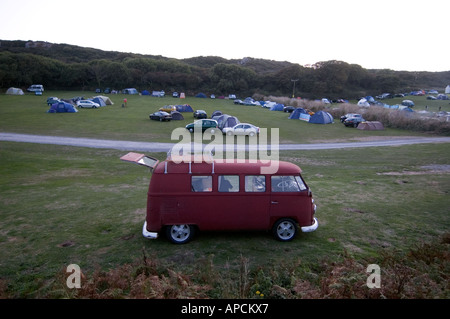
{"x":69,"y":67}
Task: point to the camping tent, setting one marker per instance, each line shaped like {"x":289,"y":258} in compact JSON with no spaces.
{"x":106,"y":99}
{"x":371,"y":126}
{"x":216,"y":113}
{"x":296,"y":113}
{"x":226,"y":120}
{"x":201,"y":95}
{"x":321,"y":117}
{"x":99,"y":101}
{"x":145,"y":92}
{"x":62,"y":107}
{"x":184,"y":108}
{"x":14,"y":91}
{"x":447,"y":89}
{"x":177,"y":116}
{"x":130,"y":91}
{"x":277,"y":107}
{"x":363,"y":102}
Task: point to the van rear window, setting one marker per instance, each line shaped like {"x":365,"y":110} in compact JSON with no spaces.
{"x":201,"y":184}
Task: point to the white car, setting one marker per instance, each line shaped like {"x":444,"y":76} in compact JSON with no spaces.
{"x":241,"y":129}
{"x":88,"y":104}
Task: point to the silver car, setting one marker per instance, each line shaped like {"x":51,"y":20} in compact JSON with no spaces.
{"x":88,"y":104}
{"x":241,"y":129}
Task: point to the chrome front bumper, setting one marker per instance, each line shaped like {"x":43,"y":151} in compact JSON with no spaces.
{"x":147,"y":234}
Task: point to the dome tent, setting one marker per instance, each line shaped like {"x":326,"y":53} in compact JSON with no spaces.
{"x":226,"y":120}
{"x":62,"y":107}
{"x":321,"y":117}
{"x":14,"y":91}
{"x":277,"y":107}
{"x":177,"y":116}
{"x":184,"y":108}
{"x":296,"y":113}
{"x":370,"y":126}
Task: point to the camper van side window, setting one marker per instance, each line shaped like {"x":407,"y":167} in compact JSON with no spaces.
{"x":255,"y":183}
{"x":201,"y":184}
{"x":228,"y":183}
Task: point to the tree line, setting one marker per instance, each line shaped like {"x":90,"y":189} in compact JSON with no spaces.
{"x":62,"y":66}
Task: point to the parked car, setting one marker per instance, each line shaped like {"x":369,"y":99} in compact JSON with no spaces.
{"x":52,"y":100}
{"x":36,"y":88}
{"x":200,"y":114}
{"x":168,"y":108}
{"x":160,"y":116}
{"x":241,"y":129}
{"x":88,"y":104}
{"x":353,"y":121}
{"x":344,"y":117}
{"x":204,"y":124}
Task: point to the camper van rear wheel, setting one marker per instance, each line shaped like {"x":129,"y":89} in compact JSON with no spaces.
{"x":285,"y":229}
{"x":180,"y":234}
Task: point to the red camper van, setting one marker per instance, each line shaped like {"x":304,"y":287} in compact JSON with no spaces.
{"x":223,"y":196}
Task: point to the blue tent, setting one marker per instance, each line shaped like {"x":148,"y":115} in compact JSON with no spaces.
{"x":99,"y":101}
{"x":321,"y":117}
{"x":145,"y":92}
{"x":201,"y":95}
{"x":277,"y":107}
{"x":184,"y":108}
{"x":296,"y":113}
{"x":62,"y":107}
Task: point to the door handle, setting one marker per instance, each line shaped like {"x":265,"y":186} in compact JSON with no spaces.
{"x":274,"y":202}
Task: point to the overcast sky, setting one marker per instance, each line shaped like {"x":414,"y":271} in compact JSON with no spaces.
{"x":388,"y":34}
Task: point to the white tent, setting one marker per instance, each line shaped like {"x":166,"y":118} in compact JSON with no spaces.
{"x":105,"y":99}
{"x":363,"y":102}
{"x":447,"y":89}
{"x":14,"y":91}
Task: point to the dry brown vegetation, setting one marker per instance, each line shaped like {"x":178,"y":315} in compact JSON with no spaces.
{"x":421,"y":273}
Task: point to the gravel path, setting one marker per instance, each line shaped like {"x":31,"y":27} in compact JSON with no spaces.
{"x":164,"y":147}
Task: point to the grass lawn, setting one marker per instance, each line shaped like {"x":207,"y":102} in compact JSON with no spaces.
{"x":66,"y":205}
{"x":28,"y":114}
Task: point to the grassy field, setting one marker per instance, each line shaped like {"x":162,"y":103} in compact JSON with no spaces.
{"x":63,"y":205}
{"x":27,"y":114}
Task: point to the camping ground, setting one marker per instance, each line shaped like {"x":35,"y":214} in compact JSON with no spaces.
{"x":62,"y":205}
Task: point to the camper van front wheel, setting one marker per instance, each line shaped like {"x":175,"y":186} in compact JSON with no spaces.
{"x":180,"y":234}
{"x":285,"y":229}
